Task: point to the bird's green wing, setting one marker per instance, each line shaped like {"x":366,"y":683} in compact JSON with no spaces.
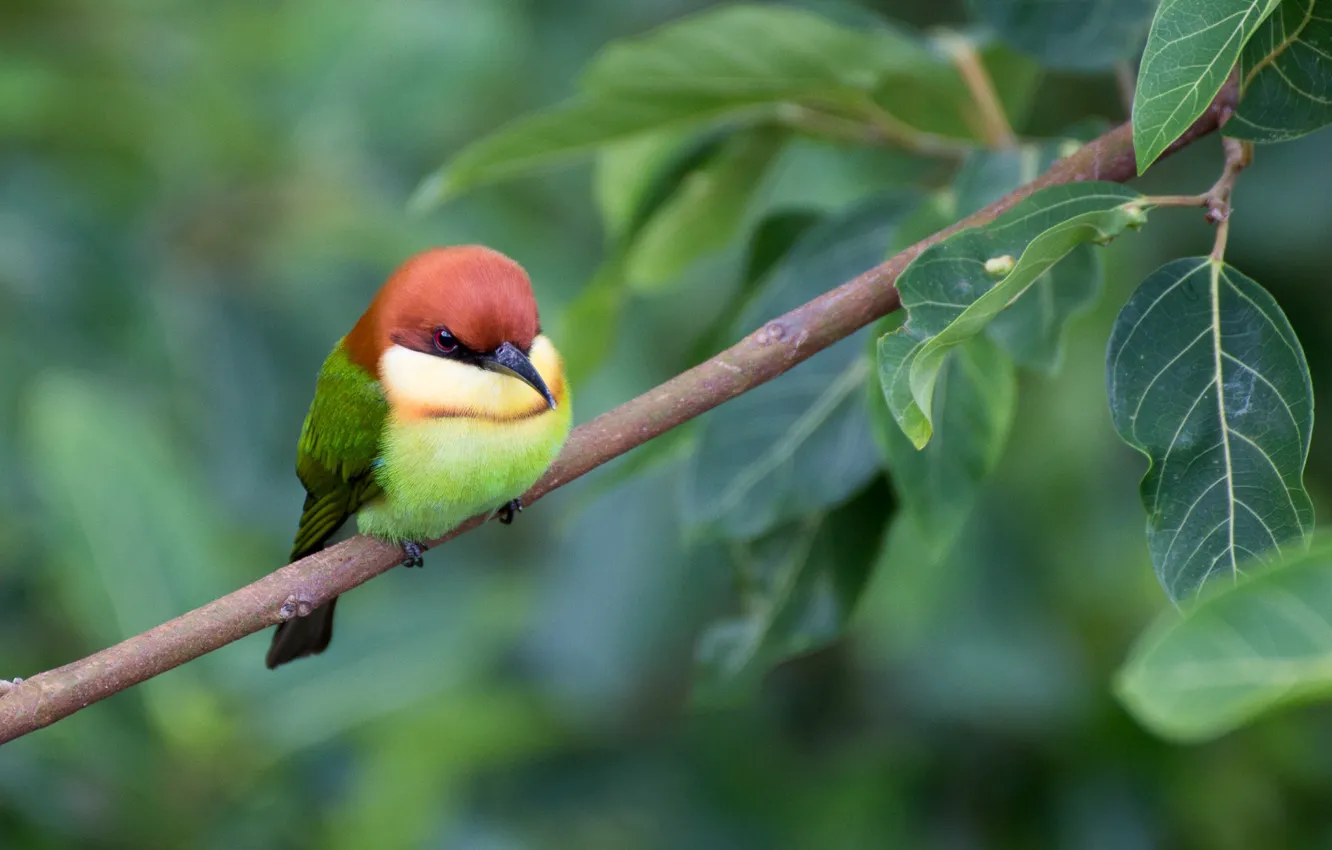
{"x":339,"y":444}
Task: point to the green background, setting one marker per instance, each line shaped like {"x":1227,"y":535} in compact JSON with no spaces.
{"x":197,"y":199}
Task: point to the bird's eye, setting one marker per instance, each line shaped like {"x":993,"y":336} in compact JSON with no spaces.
{"x":445,"y":342}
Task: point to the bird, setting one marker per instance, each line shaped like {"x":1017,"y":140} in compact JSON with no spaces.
{"x":445,"y":400}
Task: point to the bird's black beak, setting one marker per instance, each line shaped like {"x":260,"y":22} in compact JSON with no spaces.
{"x":510,"y":361}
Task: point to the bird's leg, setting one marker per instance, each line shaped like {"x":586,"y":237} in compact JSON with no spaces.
{"x":510,"y":510}
{"x":414,"y":552}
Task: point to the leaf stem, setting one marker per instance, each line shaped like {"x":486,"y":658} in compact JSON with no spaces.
{"x":994,"y":123}
{"x":1175,"y":200}
{"x":892,"y":129}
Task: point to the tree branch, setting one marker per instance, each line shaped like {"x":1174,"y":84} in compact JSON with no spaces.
{"x":780,"y":344}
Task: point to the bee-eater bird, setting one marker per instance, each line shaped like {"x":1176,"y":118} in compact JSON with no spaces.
{"x":443,"y":402}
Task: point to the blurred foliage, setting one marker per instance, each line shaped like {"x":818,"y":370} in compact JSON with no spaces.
{"x":197,"y":199}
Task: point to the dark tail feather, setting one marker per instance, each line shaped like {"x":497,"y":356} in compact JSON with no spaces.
{"x":302,"y":636}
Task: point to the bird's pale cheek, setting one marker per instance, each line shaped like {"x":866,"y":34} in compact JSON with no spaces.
{"x":421,"y":386}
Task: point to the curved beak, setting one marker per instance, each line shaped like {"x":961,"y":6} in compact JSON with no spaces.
{"x":510,"y":361}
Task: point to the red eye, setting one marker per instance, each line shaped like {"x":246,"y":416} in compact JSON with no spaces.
{"x":445,"y":342}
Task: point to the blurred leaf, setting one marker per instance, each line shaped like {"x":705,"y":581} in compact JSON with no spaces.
{"x":1237,"y":652}
{"x":1286,"y":75}
{"x":564,"y":131}
{"x":771,"y":241}
{"x":1070,"y":34}
{"x":1031,"y":329}
{"x":953,"y":289}
{"x":626,"y":174}
{"x":1190,"y":51}
{"x":687,"y":74}
{"x":797,"y":588}
{"x":1207,"y":378}
{"x":704,"y":212}
{"x":755,"y":54}
{"x":940,"y":103}
{"x":801,"y":443}
{"x":936,"y":486}
{"x":976,"y":396}
{"x":589,"y":323}
{"x":135,"y":536}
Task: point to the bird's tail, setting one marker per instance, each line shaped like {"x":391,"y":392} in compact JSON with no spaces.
{"x":302,"y":636}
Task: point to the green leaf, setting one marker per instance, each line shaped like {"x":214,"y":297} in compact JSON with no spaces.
{"x":1190,"y":51}
{"x":936,"y":486}
{"x":705,"y":212}
{"x":1286,"y":75}
{"x":1076,"y":35}
{"x":1237,"y":653}
{"x":634,"y":177}
{"x":955,"y":288}
{"x":799,"y":444}
{"x":976,"y":395}
{"x":686,"y":75}
{"x":1208,"y":380}
{"x":797,"y":587}
{"x":755,"y":54}
{"x":588,"y":324}
{"x":771,"y":241}
{"x":939,"y":103}
{"x":563,"y":132}
{"x":1031,"y":330}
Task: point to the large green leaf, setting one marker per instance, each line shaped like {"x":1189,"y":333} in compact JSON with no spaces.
{"x":1031,"y":329}
{"x":567,"y":130}
{"x":1190,"y":51}
{"x":800,"y":444}
{"x":755,"y":54}
{"x":635,"y":177}
{"x":1208,"y":380}
{"x":692,"y":73}
{"x":705,"y":212}
{"x":1070,"y":34}
{"x":797,"y":587}
{"x":1237,"y":653}
{"x":1286,"y":75}
{"x":955,"y":288}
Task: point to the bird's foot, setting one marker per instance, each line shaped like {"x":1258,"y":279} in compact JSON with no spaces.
{"x":414,"y":552}
{"x":510,"y":510}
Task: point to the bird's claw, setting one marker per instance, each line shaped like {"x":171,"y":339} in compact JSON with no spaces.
{"x":510,"y":510}
{"x":415,"y":552}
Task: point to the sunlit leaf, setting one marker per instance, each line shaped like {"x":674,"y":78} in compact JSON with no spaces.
{"x":704,"y":212}
{"x":1208,"y":380}
{"x":954,"y":289}
{"x":797,"y":587}
{"x":1286,"y":75}
{"x":1070,"y":34}
{"x":1238,"y":652}
{"x":627,"y":173}
{"x":795,"y":446}
{"x":1192,"y":47}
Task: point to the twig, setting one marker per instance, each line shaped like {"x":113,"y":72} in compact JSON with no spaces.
{"x":763,"y":355}
{"x":1239,"y":155}
{"x":995,"y":128}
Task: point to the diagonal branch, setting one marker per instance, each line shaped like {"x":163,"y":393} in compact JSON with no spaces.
{"x":295,"y":589}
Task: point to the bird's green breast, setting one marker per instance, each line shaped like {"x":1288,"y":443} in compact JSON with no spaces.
{"x":437,"y":472}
